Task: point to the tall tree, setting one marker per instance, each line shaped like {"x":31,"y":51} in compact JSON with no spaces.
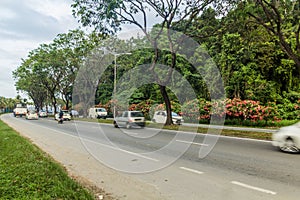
{"x":108,"y":16}
{"x":50,"y":70}
{"x":281,"y":19}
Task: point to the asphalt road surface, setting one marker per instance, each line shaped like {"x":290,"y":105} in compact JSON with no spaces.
{"x":153,"y":164}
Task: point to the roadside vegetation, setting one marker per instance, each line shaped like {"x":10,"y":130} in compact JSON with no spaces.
{"x":28,"y":173}
{"x":255,"y":46}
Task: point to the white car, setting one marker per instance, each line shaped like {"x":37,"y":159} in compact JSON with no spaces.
{"x":98,"y":113}
{"x":43,"y":113}
{"x":32,"y":115}
{"x":74,"y":113}
{"x":66,"y":116}
{"x":287,"y":138}
{"x":161,"y":117}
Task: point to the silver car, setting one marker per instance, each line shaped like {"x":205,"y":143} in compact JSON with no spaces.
{"x":287,"y":138}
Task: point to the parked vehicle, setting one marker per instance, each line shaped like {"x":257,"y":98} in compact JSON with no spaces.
{"x":97,"y":113}
{"x":66,"y":116}
{"x":130,"y":119}
{"x":32,"y":114}
{"x":287,"y":139}
{"x":161,"y":117}
{"x":20,"y":110}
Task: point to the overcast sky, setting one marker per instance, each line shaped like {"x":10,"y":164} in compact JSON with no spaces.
{"x":24,"y":25}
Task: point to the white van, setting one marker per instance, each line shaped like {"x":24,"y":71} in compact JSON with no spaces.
{"x":97,"y":113}
{"x":130,"y":119}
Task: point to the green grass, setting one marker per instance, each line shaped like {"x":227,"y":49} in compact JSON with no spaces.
{"x":28,"y":173}
{"x":225,"y":132}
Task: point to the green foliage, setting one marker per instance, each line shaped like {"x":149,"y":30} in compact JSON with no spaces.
{"x":256,"y":61}
{"x":7,"y":104}
{"x":50,"y":70}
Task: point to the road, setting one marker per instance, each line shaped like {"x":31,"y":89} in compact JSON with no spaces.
{"x":152,"y":164}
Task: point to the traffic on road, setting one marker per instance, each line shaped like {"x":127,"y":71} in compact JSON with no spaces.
{"x":236,"y":168}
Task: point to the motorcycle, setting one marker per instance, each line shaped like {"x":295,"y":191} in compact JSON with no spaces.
{"x":60,"y":120}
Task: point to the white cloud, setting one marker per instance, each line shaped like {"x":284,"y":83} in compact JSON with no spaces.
{"x":24,"y":24}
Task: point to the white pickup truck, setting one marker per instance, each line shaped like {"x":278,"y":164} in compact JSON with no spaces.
{"x":20,"y":110}
{"x":130,"y":119}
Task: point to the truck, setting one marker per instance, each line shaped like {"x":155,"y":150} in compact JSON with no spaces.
{"x":20,"y":110}
{"x":97,"y":113}
{"x":130,"y":119}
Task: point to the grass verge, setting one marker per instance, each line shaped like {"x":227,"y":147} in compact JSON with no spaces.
{"x":28,"y":173}
{"x":225,"y":132}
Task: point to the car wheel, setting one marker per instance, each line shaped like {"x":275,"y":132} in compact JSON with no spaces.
{"x":115,"y":124}
{"x":128,"y":126}
{"x":289,"y":146}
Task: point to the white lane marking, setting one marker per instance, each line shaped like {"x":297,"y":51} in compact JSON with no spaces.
{"x":253,"y":187}
{"x":191,"y":170}
{"x":130,"y":133}
{"x":195,"y":143}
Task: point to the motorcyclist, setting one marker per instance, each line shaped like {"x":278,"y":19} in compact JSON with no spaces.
{"x":61,"y":114}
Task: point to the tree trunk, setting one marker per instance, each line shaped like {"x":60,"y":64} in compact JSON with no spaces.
{"x":168,"y":104}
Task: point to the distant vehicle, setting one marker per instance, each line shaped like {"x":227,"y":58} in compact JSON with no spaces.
{"x":32,"y":114}
{"x":74,"y":113}
{"x":20,"y":110}
{"x":43,"y":113}
{"x":66,"y":116}
{"x":130,"y":119}
{"x":287,"y":139}
{"x":161,"y":117}
{"x":98,"y":113}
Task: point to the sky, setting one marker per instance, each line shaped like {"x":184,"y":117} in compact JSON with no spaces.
{"x":24,"y":25}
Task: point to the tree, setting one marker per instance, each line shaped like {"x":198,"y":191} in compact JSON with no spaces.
{"x":7,"y":104}
{"x":281,"y":19}
{"x":72,"y":48}
{"x":50,"y":70}
{"x":108,"y":16}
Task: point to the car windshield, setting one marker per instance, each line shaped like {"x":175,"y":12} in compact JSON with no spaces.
{"x":100,"y":110}
{"x":137,"y":114}
{"x":174,"y":114}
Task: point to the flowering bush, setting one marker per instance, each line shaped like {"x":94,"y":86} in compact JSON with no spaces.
{"x":233,"y":109}
{"x":250,"y":110}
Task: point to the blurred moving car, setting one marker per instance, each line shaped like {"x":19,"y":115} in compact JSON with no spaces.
{"x":74,"y":113}
{"x":43,"y":113}
{"x":161,"y":117}
{"x":32,"y":114}
{"x":287,"y":139}
{"x":130,"y":119}
{"x":66,"y":115}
